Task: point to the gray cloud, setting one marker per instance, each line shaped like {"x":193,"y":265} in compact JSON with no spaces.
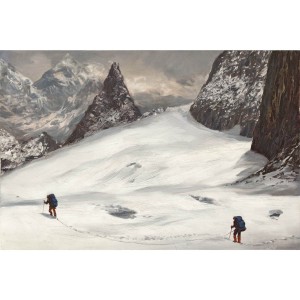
{"x":186,"y":81}
{"x":149,"y":101}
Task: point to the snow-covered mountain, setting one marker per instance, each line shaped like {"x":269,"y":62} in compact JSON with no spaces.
{"x":233,"y":92}
{"x":112,"y":107}
{"x":160,"y":183}
{"x":14,"y":153}
{"x":55,"y":103}
{"x":277,"y":134}
{"x":20,"y":102}
{"x":65,"y":80}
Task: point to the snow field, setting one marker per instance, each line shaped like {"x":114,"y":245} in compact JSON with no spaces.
{"x":146,"y":173}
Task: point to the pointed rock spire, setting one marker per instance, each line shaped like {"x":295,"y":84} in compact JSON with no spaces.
{"x":113,"y":106}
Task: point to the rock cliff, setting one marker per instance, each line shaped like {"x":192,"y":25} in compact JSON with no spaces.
{"x":233,"y":92}
{"x":277,"y":133}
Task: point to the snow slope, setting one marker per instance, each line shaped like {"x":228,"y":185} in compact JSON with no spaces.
{"x":163,"y":182}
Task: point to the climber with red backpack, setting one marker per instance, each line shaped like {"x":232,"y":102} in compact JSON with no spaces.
{"x":239,"y":226}
{"x":52,"y":201}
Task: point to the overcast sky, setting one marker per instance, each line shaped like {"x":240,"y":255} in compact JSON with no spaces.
{"x":163,"y":77}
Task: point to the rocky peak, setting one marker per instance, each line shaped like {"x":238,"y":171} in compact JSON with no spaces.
{"x":113,"y":106}
{"x":114,"y":82}
{"x":115,"y":72}
{"x":67,"y":62}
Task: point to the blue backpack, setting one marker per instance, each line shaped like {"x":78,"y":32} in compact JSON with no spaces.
{"x":240,"y":223}
{"x":53,"y":200}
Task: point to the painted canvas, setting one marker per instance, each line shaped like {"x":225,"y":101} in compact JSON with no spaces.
{"x":149,"y":150}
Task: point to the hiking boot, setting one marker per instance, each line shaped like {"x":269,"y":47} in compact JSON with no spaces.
{"x":234,"y":239}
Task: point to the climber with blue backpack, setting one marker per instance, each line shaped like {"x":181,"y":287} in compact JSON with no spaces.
{"x":239,"y":226}
{"x":52,"y":201}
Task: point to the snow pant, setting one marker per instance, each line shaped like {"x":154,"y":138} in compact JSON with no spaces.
{"x":52,"y":209}
{"x":238,"y":233}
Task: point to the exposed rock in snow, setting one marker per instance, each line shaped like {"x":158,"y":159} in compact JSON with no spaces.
{"x":135,"y":165}
{"x":121,"y":212}
{"x":233,"y":92}
{"x":14,"y":153}
{"x":203,"y":199}
{"x":277,"y":134}
{"x":153,"y":112}
{"x":113,"y":106}
{"x":275,"y":213}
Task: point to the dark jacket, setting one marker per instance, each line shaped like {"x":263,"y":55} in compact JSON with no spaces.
{"x":49,"y":202}
{"x":235,"y":224}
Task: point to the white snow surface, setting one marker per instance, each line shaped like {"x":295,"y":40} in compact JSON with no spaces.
{"x":163,"y":182}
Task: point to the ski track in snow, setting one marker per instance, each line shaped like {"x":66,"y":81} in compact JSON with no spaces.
{"x":172,"y":173}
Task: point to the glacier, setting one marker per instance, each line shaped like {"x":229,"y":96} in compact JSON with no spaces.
{"x":162,"y":182}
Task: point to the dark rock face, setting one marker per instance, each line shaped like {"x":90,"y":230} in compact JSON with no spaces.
{"x":233,"y":92}
{"x":277,"y":133}
{"x":113,"y":106}
{"x":6,"y":165}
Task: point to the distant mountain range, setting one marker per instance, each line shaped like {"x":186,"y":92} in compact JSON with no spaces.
{"x":68,"y":102}
{"x":55,"y":103}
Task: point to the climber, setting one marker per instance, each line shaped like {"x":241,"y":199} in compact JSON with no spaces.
{"x":52,"y":201}
{"x":239,"y":225}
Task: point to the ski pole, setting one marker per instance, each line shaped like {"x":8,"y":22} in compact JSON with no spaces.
{"x":230,"y":233}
